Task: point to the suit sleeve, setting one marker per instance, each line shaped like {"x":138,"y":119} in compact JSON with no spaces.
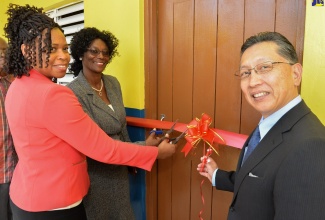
{"x":63,"y":115}
{"x":225,"y":180}
{"x":299,"y":191}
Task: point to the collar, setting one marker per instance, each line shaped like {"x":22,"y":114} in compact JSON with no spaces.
{"x":37,"y":75}
{"x":266,"y":124}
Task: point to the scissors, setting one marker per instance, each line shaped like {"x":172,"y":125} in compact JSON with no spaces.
{"x":175,"y":140}
{"x":172,"y":140}
{"x":159,"y":131}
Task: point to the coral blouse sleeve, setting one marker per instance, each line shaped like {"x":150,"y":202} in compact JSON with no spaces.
{"x":64,"y":117}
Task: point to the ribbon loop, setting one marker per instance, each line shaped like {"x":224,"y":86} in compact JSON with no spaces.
{"x":199,"y":130}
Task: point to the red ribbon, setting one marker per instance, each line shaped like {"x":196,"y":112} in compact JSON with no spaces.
{"x":203,"y":202}
{"x":231,"y":139}
{"x":199,"y":130}
{"x":205,"y":160}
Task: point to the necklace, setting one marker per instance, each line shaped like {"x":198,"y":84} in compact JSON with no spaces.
{"x":99,"y":90}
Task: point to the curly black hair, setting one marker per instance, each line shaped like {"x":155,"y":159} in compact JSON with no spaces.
{"x":83,"y":39}
{"x":25,"y":24}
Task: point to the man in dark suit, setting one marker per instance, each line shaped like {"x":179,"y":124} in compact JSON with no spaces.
{"x":282,"y":175}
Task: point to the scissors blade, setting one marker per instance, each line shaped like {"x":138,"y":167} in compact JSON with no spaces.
{"x":172,"y":128}
{"x":179,"y":137}
{"x":168,"y":132}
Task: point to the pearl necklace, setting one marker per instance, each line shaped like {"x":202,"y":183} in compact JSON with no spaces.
{"x":99,"y":90}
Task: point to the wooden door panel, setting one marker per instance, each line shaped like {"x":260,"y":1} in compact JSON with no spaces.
{"x":259,"y":16}
{"x":182,"y":104}
{"x":204,"y":83}
{"x":165,"y":64}
{"x":182,"y":79}
{"x":205,"y":38}
{"x":286,"y":23}
{"x":228,"y":92}
{"x":230,"y":38}
{"x":197,"y":45}
{"x":164,"y":106}
{"x":289,"y":20}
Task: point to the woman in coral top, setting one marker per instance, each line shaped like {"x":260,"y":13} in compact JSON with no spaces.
{"x":51,"y":132}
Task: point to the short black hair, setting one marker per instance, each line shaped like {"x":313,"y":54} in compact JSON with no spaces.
{"x":83,"y":39}
{"x":285,"y":48}
{"x":26,"y":24}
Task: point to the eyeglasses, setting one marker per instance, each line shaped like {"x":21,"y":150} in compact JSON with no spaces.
{"x":96,"y":52}
{"x":260,"y":69}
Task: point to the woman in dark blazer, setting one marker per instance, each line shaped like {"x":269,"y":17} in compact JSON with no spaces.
{"x":101,"y":98}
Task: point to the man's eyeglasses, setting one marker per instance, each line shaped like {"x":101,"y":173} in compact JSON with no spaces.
{"x":260,"y":69}
{"x":96,"y":52}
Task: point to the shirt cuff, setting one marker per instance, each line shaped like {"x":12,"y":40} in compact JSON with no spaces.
{"x":214,"y":177}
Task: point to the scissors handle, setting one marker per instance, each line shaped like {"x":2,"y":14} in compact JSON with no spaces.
{"x":157,"y":132}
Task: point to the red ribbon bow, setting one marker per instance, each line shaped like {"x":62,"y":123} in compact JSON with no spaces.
{"x":198,"y":129}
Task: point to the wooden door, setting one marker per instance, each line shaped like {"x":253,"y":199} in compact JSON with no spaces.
{"x":192,"y":52}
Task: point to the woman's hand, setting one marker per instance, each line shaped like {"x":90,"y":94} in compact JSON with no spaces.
{"x":152,"y":140}
{"x":166,"y":149}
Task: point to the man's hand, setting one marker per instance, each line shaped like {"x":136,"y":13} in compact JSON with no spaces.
{"x":207,"y":169}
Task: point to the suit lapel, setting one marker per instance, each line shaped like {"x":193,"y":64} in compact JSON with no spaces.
{"x":96,"y":101}
{"x":115,"y":99}
{"x":271,"y":141}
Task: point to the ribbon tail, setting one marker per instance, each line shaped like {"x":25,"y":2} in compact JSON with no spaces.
{"x":187,"y":148}
{"x":203,"y":202}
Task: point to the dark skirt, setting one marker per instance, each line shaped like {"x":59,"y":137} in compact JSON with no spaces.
{"x":75,"y":213}
{"x":109,"y":195}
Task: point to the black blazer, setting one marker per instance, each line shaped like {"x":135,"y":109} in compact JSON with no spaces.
{"x":284,"y":177}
